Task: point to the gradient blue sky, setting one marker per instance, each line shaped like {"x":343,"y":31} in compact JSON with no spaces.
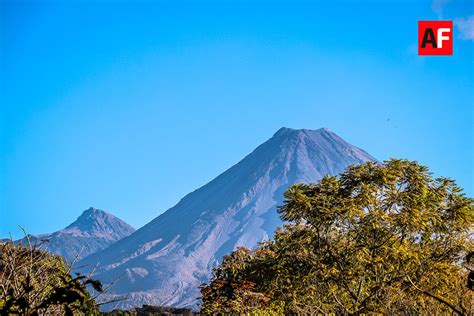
{"x":127,"y":106}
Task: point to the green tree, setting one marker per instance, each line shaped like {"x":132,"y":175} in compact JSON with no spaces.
{"x":34,"y":282}
{"x":386,"y":238}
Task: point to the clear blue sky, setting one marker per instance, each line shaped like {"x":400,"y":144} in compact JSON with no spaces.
{"x":127,"y":106}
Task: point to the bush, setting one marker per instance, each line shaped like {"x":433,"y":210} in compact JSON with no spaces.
{"x":34,"y":282}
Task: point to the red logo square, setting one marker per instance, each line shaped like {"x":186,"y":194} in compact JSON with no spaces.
{"x":435,"y":38}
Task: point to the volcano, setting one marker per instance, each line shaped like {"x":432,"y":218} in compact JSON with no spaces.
{"x":165,"y":261}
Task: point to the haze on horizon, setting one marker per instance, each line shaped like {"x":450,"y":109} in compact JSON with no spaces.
{"x":128,"y":107}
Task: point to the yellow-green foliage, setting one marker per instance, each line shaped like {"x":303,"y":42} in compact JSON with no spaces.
{"x":34,"y":282}
{"x":381,"y":238}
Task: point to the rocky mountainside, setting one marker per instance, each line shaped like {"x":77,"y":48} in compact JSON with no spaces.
{"x":164,"y":262}
{"x":94,"y":230}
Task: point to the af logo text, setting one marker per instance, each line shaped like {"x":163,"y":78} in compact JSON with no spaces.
{"x":435,"y":38}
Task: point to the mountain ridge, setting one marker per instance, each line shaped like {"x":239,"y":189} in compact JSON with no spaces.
{"x":92,"y":231}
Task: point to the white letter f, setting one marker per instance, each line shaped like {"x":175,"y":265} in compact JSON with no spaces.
{"x":441,"y":38}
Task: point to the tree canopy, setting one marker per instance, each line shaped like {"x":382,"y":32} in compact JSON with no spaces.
{"x":381,"y":237}
{"x":34,"y":282}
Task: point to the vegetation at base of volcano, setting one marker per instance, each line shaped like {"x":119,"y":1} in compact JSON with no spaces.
{"x":380,"y":238}
{"x":34,"y":282}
